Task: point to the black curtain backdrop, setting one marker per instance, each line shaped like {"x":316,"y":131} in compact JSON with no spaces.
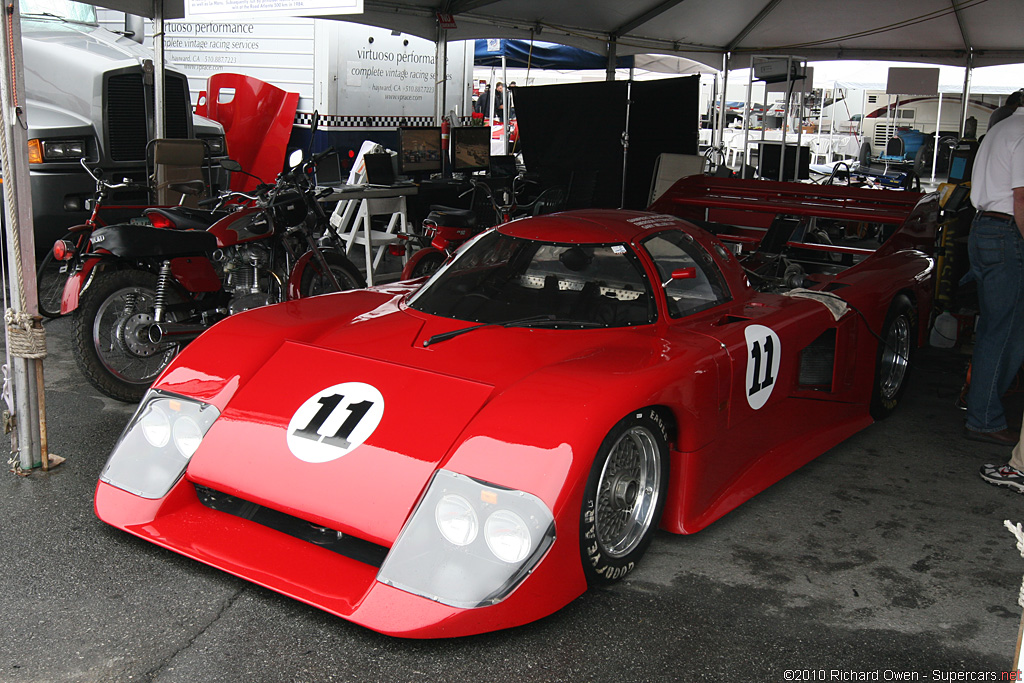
{"x":572,"y":135}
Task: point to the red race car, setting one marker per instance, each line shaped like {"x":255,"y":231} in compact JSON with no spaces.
{"x":469,"y":453}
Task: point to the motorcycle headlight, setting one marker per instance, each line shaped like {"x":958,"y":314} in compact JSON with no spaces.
{"x":157,"y":444}
{"x":445,"y":554}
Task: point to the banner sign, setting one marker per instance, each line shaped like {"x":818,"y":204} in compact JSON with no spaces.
{"x":293,"y":8}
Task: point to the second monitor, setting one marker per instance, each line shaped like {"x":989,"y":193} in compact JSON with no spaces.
{"x":471,"y":148}
{"x":419,"y":151}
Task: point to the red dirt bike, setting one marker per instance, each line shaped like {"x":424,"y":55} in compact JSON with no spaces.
{"x":138,"y":293}
{"x":52,"y":271}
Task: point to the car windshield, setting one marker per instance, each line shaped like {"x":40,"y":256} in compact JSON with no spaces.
{"x":61,"y":9}
{"x":499,"y":279}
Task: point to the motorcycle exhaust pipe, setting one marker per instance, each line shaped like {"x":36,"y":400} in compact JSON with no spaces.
{"x":174,"y":332}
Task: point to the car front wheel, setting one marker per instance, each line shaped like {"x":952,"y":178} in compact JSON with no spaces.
{"x":624,"y":497}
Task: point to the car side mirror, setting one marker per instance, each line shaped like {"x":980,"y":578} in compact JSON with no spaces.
{"x":689,"y":273}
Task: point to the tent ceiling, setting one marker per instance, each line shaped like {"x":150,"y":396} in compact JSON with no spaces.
{"x":933,"y":31}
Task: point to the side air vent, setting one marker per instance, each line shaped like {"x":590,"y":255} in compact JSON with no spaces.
{"x":817,"y":362}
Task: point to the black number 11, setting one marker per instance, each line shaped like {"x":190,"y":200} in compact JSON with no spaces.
{"x":757,"y":384}
{"x":328,"y":404}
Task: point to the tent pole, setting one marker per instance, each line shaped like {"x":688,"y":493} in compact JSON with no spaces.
{"x":965,"y":97}
{"x":440,"y":75}
{"x":505,"y":122}
{"x":625,"y":141}
{"x":609,"y":72}
{"x":935,"y":147}
{"x":159,"y":124}
{"x":721,"y":109}
{"x":20,"y":239}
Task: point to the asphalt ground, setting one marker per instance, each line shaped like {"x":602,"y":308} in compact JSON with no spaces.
{"x":886,"y":557}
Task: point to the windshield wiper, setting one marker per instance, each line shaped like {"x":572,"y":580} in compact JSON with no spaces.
{"x":533,"y":321}
{"x":51,"y":15}
{"x":521,"y":322}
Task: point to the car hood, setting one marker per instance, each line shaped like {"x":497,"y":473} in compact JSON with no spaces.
{"x":420,"y":400}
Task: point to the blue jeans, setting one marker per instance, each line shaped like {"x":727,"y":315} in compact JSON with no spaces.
{"x":996,"y":251}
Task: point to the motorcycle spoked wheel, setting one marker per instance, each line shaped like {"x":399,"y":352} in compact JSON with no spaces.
{"x":50,"y":282}
{"x":109,"y":330}
{"x":314,"y":280}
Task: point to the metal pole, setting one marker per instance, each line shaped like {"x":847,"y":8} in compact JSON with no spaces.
{"x":504,"y":104}
{"x":625,"y":141}
{"x":440,"y":75}
{"x":935,"y":147}
{"x":721,"y":109}
{"x":746,"y":123}
{"x":609,"y":71}
{"x":159,"y":123}
{"x":965,"y":97}
{"x":20,"y":238}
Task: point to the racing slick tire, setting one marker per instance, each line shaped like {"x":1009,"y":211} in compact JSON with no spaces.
{"x":109,"y":334}
{"x":892,"y":362}
{"x":624,"y":496}
{"x":313,"y":281}
{"x":423,"y":263}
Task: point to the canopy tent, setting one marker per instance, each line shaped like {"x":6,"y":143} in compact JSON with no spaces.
{"x":967,"y":33}
{"x":982,"y":32}
{"x":985,"y":32}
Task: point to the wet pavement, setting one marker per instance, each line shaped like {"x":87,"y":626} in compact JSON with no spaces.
{"x":884,"y":559}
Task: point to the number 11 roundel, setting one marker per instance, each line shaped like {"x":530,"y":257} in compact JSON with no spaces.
{"x":334,"y":421}
{"x":763,"y":353}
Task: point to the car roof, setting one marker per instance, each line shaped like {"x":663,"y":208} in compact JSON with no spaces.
{"x":590,"y":226}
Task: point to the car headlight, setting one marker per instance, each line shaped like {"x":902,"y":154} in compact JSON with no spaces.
{"x":215,"y":145}
{"x":157,"y":444}
{"x":456,"y":519}
{"x":445,"y":554}
{"x":55,"y":150}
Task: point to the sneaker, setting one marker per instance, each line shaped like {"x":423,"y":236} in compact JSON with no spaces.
{"x":1003,"y":475}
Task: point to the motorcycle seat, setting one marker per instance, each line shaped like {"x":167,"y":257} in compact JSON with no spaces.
{"x":137,"y":241}
{"x":451,"y":217}
{"x":184,"y":218}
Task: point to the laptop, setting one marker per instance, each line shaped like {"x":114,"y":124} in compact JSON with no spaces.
{"x":380,"y":169}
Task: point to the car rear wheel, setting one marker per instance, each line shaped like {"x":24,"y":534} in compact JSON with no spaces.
{"x":624,"y":497}
{"x":892,"y":365}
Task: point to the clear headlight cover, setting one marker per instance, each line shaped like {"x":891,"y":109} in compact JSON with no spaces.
{"x":442,"y":555}
{"x":155,"y":448}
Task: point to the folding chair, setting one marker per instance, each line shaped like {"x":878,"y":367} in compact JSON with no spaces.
{"x":177,"y":171}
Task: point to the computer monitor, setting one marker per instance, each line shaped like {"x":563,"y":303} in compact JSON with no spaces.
{"x":769,"y":155}
{"x":503,"y":166}
{"x":961,"y":162}
{"x":471,"y":148}
{"x":419,"y":151}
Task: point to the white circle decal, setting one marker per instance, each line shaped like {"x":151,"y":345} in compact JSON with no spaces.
{"x":763,"y":353}
{"x":335,"y":421}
